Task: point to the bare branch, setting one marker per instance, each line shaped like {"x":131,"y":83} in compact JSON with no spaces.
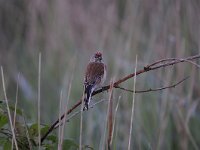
{"x":78,"y":112}
{"x":153,"y":66}
{"x":157,"y":89}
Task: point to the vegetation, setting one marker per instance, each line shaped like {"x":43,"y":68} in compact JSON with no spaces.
{"x":66,"y":34}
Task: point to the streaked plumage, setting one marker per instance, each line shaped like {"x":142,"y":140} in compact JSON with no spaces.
{"x":94,"y":76}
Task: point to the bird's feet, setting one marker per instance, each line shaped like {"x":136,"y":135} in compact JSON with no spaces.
{"x":86,"y":107}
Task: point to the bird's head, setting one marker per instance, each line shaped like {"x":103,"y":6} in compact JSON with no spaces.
{"x":97,"y":57}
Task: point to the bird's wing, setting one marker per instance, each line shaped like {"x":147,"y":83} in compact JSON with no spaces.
{"x":94,"y":73}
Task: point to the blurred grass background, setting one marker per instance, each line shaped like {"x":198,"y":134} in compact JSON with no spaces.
{"x":68,"y":32}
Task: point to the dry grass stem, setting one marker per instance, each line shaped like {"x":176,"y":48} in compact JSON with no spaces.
{"x":187,"y":130}
{"x":65,"y":117}
{"x":114,"y":120}
{"x":39,"y":80}
{"x":132,"y":111}
{"x":59,"y":124}
{"x":16,"y":101}
{"x":8,"y":109}
{"x":68,"y":96}
{"x":81,"y":121}
{"x":107,"y":114}
{"x":110,"y":123}
{"x":27,"y":133}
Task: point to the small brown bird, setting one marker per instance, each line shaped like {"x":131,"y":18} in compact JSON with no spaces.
{"x":95,"y":76}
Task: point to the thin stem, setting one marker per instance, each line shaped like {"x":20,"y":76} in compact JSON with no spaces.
{"x":116,"y":108}
{"x":39,"y":80}
{"x":8,"y":109}
{"x":27,"y":133}
{"x":81,"y":123}
{"x":107,"y":114}
{"x":59,"y":125}
{"x":132,"y":111}
{"x":110,"y":123}
{"x":65,"y":116}
{"x":16,"y":100}
{"x":68,"y":96}
{"x":187,"y":130}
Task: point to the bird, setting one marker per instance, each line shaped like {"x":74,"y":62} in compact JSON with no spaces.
{"x":95,"y":76}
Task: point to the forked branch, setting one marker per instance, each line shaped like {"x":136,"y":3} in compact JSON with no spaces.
{"x":156,"y":65}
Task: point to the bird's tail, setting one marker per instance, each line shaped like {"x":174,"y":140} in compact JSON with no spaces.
{"x":88,"y":95}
